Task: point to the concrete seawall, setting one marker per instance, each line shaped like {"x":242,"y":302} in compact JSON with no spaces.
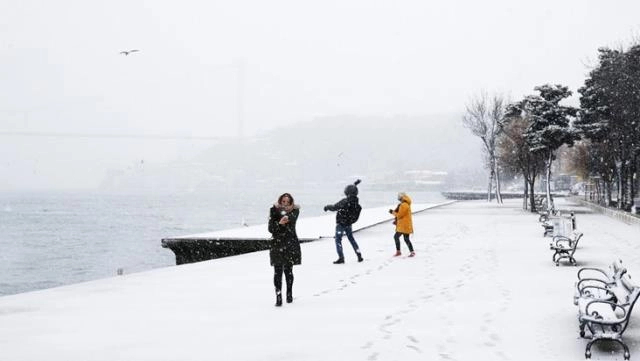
{"x":212,"y":245}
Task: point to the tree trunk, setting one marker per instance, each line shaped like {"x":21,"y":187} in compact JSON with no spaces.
{"x":632,"y":178}
{"x":490,"y":186}
{"x":620,"y":191}
{"x":497,"y":172}
{"x":633,"y":184}
{"x":525,"y":195}
{"x":550,"y":205}
{"x":628,"y":187}
{"x":532,"y":195}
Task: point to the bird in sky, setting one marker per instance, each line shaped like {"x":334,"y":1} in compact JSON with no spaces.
{"x":127,"y":52}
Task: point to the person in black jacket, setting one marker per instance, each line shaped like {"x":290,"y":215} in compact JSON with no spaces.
{"x":343,"y":221}
{"x":285,"y":246}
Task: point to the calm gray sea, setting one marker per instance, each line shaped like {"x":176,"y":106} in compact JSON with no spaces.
{"x":49,"y":239}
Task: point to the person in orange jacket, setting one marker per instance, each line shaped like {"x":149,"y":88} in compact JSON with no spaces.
{"x":403,"y":222}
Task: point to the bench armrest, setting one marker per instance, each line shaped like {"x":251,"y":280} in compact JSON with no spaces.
{"x":562,"y":244}
{"x":595,"y":317}
{"x":561,"y":238}
{"x":600,"y":321}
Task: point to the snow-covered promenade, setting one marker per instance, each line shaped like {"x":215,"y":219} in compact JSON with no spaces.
{"x":482,"y":287}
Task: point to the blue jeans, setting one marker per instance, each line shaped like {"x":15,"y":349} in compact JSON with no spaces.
{"x":342,"y":230}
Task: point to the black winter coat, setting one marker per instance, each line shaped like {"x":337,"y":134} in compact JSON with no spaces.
{"x":285,"y":246}
{"x":341,"y":207}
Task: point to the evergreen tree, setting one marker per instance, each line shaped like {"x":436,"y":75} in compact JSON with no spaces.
{"x":609,"y":114}
{"x":549,"y":126}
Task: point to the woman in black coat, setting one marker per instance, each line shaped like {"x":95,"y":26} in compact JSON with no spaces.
{"x":285,"y":246}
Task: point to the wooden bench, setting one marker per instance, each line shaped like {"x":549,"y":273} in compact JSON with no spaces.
{"x":594,"y":283}
{"x":543,"y":209}
{"x":564,"y":247}
{"x":547,"y":226}
{"x":543,"y":216}
{"x":540,"y":202}
{"x":607,"y":320}
{"x":557,"y":224}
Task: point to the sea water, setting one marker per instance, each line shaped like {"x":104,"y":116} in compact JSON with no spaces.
{"x":49,"y":239}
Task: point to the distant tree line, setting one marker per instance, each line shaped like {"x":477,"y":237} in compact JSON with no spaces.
{"x":523,"y":137}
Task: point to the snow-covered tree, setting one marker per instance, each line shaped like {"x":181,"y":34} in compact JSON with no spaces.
{"x":610,"y":118}
{"x":483,"y":117}
{"x":514,"y":154}
{"x":550,"y":123}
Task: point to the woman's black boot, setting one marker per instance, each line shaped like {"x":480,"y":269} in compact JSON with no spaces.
{"x":289,"y":276}
{"x":278,"y":298}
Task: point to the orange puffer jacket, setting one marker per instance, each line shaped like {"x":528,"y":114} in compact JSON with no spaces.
{"x":404,"y":221}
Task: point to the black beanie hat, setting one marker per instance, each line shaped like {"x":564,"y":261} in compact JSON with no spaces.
{"x":352,"y":189}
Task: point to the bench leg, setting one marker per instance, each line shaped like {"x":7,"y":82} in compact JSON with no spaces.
{"x":558,"y":255}
{"x":587,"y":351}
{"x":627,"y":355}
{"x":626,"y":349}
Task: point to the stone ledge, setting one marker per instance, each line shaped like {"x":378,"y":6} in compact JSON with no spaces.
{"x":626,"y":217}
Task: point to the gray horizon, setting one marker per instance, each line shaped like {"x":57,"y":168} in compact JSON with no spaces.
{"x":74,"y":108}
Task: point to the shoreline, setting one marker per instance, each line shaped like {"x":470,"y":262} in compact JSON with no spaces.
{"x":482,"y":286}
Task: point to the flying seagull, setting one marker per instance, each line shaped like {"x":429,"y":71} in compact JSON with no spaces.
{"x":127,"y":52}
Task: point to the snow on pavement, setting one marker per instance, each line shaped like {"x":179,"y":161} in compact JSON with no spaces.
{"x":482,"y":287}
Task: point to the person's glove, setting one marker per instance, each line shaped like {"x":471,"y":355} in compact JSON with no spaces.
{"x":326,"y":208}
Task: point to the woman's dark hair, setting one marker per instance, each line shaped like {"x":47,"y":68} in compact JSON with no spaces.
{"x":285,"y":195}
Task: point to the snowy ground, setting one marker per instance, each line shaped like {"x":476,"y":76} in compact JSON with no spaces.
{"x":482,"y":287}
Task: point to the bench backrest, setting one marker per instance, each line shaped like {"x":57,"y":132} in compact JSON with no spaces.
{"x":612,"y":281}
{"x":611,"y":272}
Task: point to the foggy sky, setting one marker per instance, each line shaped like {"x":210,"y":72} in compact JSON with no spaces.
{"x":203,"y":65}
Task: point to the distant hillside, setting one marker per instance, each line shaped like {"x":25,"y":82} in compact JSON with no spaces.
{"x":331,"y":149}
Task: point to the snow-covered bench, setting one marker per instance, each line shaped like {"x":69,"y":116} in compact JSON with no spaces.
{"x":608,"y":319}
{"x":594,"y":283}
{"x":541,"y":203}
{"x":565,"y":247}
{"x":558,"y":224}
{"x":543,"y":216}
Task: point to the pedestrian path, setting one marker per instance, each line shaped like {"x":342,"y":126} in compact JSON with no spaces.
{"x":482,"y":287}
